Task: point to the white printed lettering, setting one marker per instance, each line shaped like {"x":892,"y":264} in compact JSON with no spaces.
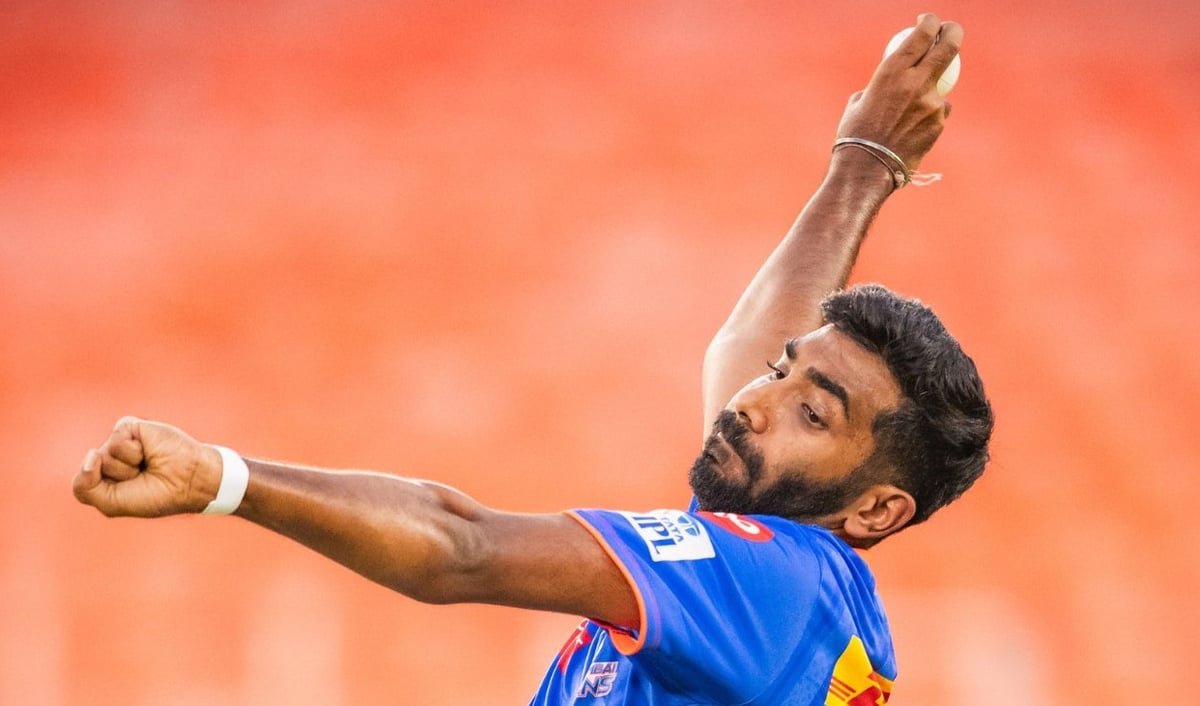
{"x":672,"y":535}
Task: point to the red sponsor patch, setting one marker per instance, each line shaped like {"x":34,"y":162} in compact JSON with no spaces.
{"x":744,"y":527}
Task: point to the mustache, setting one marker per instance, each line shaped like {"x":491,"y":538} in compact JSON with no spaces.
{"x":735,"y":433}
{"x":730,"y":426}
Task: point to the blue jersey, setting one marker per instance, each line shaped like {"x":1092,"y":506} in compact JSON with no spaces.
{"x":734,"y":610}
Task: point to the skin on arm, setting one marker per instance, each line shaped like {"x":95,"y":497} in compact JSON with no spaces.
{"x":900,"y":109}
{"x":422,"y":539}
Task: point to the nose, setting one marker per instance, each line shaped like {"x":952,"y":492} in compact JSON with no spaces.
{"x":751,"y":404}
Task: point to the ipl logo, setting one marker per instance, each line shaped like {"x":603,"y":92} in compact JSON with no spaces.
{"x":671,"y":535}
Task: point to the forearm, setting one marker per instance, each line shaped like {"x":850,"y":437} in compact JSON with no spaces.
{"x":411,"y":536}
{"x":423,"y":539}
{"x":900,"y":110}
{"x":813,"y":259}
{"x":816,"y":255}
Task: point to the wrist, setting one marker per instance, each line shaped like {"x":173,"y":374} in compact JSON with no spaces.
{"x":860,"y":172}
{"x":235,"y":476}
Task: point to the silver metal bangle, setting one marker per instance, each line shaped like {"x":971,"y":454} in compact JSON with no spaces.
{"x":900,"y":172}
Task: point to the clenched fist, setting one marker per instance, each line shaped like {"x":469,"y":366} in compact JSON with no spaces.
{"x":148,"y":469}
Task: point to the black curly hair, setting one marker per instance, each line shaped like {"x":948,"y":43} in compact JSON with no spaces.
{"x":934,"y":445}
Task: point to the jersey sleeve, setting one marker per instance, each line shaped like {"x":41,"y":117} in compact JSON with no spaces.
{"x":722,"y":605}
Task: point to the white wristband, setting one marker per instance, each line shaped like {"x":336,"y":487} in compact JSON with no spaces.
{"x":235,"y":476}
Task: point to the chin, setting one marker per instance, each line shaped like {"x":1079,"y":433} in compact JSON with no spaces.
{"x":716,"y":493}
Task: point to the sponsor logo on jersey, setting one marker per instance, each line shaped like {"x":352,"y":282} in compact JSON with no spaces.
{"x":855,"y":682}
{"x":599,"y":680}
{"x":744,"y":527}
{"x":672,"y":535}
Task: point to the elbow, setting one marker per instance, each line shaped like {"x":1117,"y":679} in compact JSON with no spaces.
{"x":442,"y":567}
{"x":444,"y":572}
{"x":725,"y":338}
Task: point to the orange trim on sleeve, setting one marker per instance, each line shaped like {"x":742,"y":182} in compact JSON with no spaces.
{"x":625,"y":643}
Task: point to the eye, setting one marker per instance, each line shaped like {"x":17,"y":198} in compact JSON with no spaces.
{"x":812,"y":416}
{"x":777,"y":373}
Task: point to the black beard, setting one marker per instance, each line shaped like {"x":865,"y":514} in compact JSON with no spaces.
{"x":792,"y":496}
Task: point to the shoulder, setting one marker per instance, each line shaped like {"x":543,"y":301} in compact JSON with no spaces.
{"x":668,"y":535}
{"x":783,"y":550}
{"x":714,"y":553}
{"x":767,"y":530}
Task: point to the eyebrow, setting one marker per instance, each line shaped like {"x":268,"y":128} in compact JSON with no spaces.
{"x":820,"y":379}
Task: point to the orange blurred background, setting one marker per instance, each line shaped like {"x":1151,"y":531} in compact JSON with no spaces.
{"x":487,"y":244}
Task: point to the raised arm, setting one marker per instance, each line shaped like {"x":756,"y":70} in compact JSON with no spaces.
{"x":423,"y":539}
{"x":899,"y":109}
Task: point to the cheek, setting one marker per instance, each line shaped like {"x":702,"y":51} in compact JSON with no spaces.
{"x":817,"y":456}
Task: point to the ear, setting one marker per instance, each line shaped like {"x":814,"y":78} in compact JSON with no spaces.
{"x":881,"y":510}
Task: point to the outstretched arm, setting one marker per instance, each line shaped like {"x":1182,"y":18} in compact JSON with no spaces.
{"x":900,"y":109}
{"x":423,"y":539}
{"x":435,"y":544}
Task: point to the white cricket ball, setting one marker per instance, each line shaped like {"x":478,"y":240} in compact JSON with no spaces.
{"x":948,"y":78}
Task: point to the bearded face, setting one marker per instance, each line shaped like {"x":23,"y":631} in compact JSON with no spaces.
{"x":731,"y":475}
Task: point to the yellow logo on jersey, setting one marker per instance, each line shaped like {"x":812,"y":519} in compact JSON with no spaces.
{"x":855,"y":682}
